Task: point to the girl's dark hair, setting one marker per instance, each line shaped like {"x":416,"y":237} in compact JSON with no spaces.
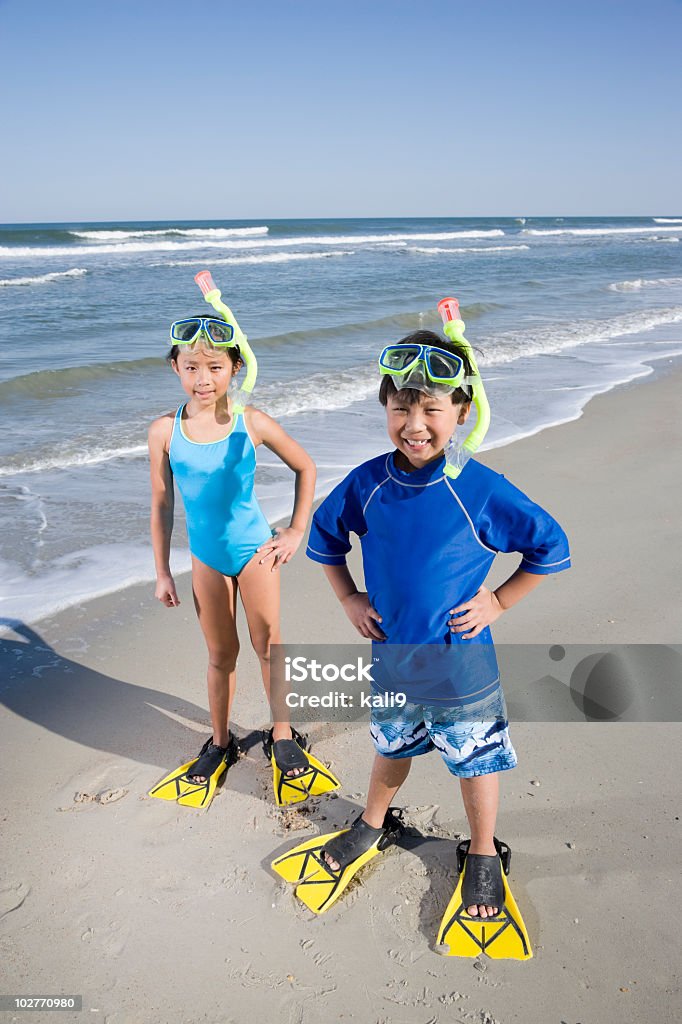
{"x":411,"y":395}
{"x":233,"y":352}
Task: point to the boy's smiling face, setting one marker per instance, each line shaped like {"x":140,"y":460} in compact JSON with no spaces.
{"x":420,"y":431}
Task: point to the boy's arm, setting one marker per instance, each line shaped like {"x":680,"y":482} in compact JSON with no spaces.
{"x":510,"y":521}
{"x":519,"y":584}
{"x":487,"y":605}
{"x":354,"y":602}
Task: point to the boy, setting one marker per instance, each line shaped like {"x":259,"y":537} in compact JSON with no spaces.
{"x":428,"y":542}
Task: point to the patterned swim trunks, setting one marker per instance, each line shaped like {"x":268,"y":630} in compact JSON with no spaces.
{"x":469,"y":748}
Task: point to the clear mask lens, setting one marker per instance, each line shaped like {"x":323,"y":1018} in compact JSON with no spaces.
{"x":443,"y":366}
{"x":400,"y":357}
{"x":219,"y":332}
{"x":185,"y":331}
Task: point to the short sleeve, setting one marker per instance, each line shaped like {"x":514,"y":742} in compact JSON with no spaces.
{"x":510,"y":521}
{"x":339,"y":515}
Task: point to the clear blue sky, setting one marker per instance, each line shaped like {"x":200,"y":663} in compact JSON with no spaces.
{"x":182,"y":109}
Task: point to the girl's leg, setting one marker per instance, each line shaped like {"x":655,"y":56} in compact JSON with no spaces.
{"x":259,"y":591}
{"x":481,"y":797}
{"x":215,"y":602}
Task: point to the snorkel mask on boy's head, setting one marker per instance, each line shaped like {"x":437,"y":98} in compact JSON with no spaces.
{"x":223,"y":333}
{"x":427,"y":368}
{"x":438,"y":372}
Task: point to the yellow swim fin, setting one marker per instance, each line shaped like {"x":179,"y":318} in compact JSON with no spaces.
{"x":317,"y":885}
{"x":314,"y":780}
{"x":178,"y":785}
{"x":503,"y":937}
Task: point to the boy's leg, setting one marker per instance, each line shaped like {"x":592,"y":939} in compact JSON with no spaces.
{"x":481,"y":798}
{"x":386,"y":779}
{"x":215,"y":602}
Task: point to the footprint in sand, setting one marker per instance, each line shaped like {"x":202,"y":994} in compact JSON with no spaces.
{"x":109,"y":939}
{"x":107,"y":796}
{"x":12,"y":896}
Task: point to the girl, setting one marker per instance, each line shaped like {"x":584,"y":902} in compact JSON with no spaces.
{"x":208,"y":447}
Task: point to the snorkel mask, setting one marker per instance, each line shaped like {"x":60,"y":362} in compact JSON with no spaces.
{"x":438,"y":372}
{"x":223,"y":333}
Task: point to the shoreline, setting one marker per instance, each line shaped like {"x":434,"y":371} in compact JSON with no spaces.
{"x":106,"y":890}
{"x":659,"y":368}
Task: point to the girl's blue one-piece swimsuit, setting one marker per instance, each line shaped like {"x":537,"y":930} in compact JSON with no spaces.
{"x":225,"y":523}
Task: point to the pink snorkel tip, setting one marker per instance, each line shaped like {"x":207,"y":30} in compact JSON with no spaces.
{"x":449,"y":310}
{"x":205,"y":281}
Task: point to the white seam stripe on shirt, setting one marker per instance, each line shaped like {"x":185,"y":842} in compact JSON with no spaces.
{"x":325,"y":554}
{"x":403,"y":483}
{"x":547,"y":565}
{"x":457,"y":499}
{"x":364,"y":507}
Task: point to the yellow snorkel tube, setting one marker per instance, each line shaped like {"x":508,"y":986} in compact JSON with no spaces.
{"x":212,"y":296}
{"x":456,"y":456}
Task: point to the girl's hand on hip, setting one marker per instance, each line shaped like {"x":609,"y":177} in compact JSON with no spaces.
{"x":165,"y":591}
{"x":363,"y":616}
{"x":283,"y":546}
{"x":476,"y":614}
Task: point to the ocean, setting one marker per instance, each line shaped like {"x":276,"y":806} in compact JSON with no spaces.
{"x":558,"y":309}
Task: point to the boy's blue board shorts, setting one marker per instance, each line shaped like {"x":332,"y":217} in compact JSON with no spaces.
{"x":469,"y":748}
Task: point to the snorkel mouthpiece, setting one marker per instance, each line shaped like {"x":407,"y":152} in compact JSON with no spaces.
{"x":456,"y":456}
{"x":212,"y":296}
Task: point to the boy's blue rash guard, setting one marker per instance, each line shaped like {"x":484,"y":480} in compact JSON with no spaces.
{"x":428,"y":543}
{"x":225,"y":523}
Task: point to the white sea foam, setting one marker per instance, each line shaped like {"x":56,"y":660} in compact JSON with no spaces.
{"x":131,"y":248}
{"x":491,"y":248}
{"x":92,"y":457}
{"x":668,"y":220}
{"x":319,"y":392}
{"x":270,"y":257}
{"x":102,"y":235}
{"x":43,"y":278}
{"x":587,"y":232}
{"x":640,"y":282}
{"x":511,"y":345}
{"x":77,"y":577}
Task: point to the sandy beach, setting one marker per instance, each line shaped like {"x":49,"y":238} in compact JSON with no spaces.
{"x":157,"y":913}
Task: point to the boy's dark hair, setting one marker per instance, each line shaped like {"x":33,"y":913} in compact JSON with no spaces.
{"x":412,"y":395}
{"x":233,"y":351}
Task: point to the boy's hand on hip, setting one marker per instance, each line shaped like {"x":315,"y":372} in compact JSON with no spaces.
{"x":476,"y":614}
{"x":363,"y":616}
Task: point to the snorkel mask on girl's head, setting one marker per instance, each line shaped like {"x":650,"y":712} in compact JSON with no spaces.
{"x":196,"y":328}
{"x":223,"y":333}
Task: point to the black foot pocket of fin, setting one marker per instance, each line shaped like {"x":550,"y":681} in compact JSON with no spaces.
{"x":181,"y":784}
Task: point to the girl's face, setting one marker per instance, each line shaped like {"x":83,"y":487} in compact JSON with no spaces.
{"x":205,"y":373}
